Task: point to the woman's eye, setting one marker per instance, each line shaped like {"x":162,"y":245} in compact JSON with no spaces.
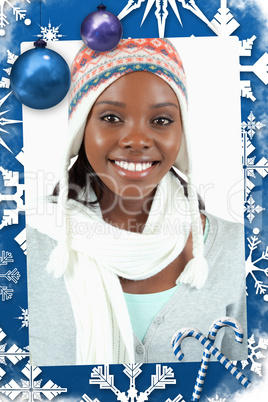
{"x":111,"y":118}
{"x":162,"y":121}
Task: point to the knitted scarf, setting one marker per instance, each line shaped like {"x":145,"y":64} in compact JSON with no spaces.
{"x":101,"y":253}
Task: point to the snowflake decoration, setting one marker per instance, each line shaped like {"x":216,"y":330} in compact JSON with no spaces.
{"x":30,"y":389}
{"x":13,"y":275}
{"x":24,"y":318}
{"x":4,"y":121}
{"x":6,"y":258}
{"x":6,"y":293}
{"x":100,"y":376}
{"x":259,"y":68}
{"x":10,"y":216}
{"x":161,"y":12}
{"x":251,"y":266}
{"x":21,"y":240}
{"x":248,"y":130}
{"x":17,"y":11}
{"x":11,"y":179}
{"x":251,"y":209}
{"x":50,"y":33}
{"x":216,"y":399}
{"x":224,"y":23}
{"x":251,"y":125}
{"x":254,"y":352}
{"x":11,"y":58}
{"x":14,"y":354}
{"x":10,"y":275}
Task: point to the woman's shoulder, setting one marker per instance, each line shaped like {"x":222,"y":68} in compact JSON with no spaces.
{"x":225,"y":241}
{"x":223,"y":228}
{"x":225,"y":251}
{"x":38,"y":242}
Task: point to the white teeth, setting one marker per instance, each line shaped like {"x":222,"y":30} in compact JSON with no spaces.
{"x":131,"y":166}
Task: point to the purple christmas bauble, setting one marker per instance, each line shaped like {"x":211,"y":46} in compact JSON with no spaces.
{"x":101,"y":30}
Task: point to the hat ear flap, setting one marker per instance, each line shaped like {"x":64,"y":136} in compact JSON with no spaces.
{"x":182,"y":160}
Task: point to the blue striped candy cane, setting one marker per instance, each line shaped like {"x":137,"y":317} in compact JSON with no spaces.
{"x":211,"y":349}
{"x":216,"y":325}
{"x":229,"y":322}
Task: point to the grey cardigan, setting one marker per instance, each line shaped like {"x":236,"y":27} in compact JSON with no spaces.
{"x":52,"y":327}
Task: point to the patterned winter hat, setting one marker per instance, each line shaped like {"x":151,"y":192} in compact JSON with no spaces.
{"x":92,"y":72}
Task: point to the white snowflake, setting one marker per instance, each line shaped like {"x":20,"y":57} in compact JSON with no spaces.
{"x":246,"y":46}
{"x":5,"y":82}
{"x":217,"y":399}
{"x":11,"y":58}
{"x":13,"y":275}
{"x":100,"y":376}
{"x":248,"y":130}
{"x":4,"y":121}
{"x":251,"y":267}
{"x":11,"y":179}
{"x":224,"y":23}
{"x":24,"y":318}
{"x":6,"y":293}
{"x":251,"y":209}
{"x":17,"y":12}
{"x":21,"y":240}
{"x":161,"y":12}
{"x":252,"y":125}
{"x":30,"y":389}
{"x":20,"y":157}
{"x":246,"y":90}
{"x":259,"y":68}
{"x":254,"y":352}
{"x":6,"y":258}
{"x":14,"y":354}
{"x":50,"y":33}
{"x":245,"y":50}
{"x":10,"y":275}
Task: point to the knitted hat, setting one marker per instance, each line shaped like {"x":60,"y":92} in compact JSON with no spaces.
{"x":92,"y":72}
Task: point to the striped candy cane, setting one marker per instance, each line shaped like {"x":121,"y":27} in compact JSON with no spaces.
{"x":195,"y":333}
{"x":216,"y":325}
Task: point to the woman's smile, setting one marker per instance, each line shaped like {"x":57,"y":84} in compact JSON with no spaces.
{"x":133,"y":134}
{"x":133,"y":170}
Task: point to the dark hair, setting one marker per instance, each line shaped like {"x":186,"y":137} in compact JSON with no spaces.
{"x":82,"y":176}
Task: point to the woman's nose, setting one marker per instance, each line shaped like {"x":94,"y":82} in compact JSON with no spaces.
{"x":136,"y":138}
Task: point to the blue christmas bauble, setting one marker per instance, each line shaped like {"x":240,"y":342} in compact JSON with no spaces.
{"x":40,"y":78}
{"x":101,"y":30}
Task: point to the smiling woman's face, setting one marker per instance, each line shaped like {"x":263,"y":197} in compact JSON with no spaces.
{"x":133,"y":134}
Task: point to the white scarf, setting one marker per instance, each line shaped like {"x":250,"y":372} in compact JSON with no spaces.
{"x":100,"y":253}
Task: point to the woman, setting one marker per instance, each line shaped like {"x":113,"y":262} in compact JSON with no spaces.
{"x":133,"y":257}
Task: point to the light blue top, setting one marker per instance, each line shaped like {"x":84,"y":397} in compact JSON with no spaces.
{"x":143,"y":308}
